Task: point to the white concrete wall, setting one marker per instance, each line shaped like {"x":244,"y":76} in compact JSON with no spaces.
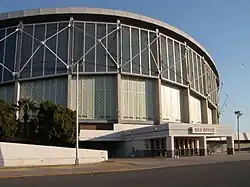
{"x":195,"y":110}
{"x":170,"y":103}
{"x":17,"y":155}
{"x":108,"y":135}
{"x":210,"y":116}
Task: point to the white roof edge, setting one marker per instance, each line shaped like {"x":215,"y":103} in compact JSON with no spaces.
{"x":84,"y":10}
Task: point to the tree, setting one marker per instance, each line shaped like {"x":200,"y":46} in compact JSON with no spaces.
{"x":27,"y":107}
{"x":56,"y":125}
{"x":8,"y":123}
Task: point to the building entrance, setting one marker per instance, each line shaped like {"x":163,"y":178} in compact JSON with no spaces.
{"x":186,"y":146}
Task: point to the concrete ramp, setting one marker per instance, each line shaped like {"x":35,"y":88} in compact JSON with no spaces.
{"x":19,"y":155}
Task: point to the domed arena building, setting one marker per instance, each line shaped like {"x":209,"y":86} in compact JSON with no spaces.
{"x":145,"y":88}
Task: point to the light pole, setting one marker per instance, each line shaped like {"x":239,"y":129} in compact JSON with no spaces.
{"x":77,"y":119}
{"x":238,"y":113}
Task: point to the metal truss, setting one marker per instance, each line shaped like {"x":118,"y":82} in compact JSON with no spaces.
{"x":144,"y":49}
{"x":42,"y":43}
{"x":97,"y":41}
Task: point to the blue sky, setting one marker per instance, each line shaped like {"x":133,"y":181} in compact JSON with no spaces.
{"x":221,"y":26}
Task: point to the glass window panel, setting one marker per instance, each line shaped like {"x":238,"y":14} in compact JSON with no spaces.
{"x":135,"y":51}
{"x":50,"y":59}
{"x":183,"y":64}
{"x":2,"y":35}
{"x":200,"y":75}
{"x":171,"y":59}
{"x":153,"y":54}
{"x":62,"y":48}
{"x":79,"y":44}
{"x":112,"y":47}
{"x":205,"y":77}
{"x":37,"y":63}
{"x":10,"y":53}
{"x":191,"y":68}
{"x":164,"y":57}
{"x":125,"y":49}
{"x":144,"y":55}
{"x":90,"y":42}
{"x":195,"y":71}
{"x":100,"y":51}
{"x":26,"y":52}
{"x":177,"y":62}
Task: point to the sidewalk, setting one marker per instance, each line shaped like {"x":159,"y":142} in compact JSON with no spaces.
{"x":115,"y":165}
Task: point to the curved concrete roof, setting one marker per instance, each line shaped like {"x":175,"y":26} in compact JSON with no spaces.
{"x":99,"y":11}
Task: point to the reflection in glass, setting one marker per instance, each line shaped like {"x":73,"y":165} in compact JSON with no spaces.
{"x":100,"y":51}
{"x":144,"y":54}
{"x":50,"y":59}
{"x":78,"y":49}
{"x":90,"y":42}
{"x":171,"y":60}
{"x":177,"y":62}
{"x":2,"y":35}
{"x":62,"y":48}
{"x":135,"y":51}
{"x":10,"y":54}
{"x":112,"y":47}
{"x":38,"y":59}
{"x":125,"y":49}
{"x":153,"y":54}
{"x":26,"y":51}
{"x":164,"y":57}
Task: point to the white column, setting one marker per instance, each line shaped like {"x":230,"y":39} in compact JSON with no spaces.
{"x":203,"y":146}
{"x":170,"y":146}
{"x":230,"y":145}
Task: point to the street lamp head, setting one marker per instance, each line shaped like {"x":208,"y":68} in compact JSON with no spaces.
{"x":238,"y":113}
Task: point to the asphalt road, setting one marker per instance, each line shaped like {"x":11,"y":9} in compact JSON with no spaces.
{"x":234,"y":174}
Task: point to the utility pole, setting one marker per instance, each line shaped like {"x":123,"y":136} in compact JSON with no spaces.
{"x":238,"y":114}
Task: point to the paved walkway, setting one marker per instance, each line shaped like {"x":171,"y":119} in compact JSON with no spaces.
{"x":115,"y":165}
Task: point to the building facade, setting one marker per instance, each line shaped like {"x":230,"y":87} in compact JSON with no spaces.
{"x":135,"y":73}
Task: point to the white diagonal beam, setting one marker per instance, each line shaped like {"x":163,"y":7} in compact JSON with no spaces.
{"x":26,"y":63}
{"x":56,"y":33}
{"x":97,"y":41}
{"x":65,"y":64}
{"x":170,"y":67}
{"x":148,"y":47}
{"x":117,"y":65}
{"x":9,"y":35}
{"x":5,"y":67}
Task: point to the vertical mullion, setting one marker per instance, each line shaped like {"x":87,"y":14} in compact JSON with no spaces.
{"x":175,"y":63}
{"x":181,"y":59}
{"x":4,"y":50}
{"x":70,"y":45}
{"x":157,"y":51}
{"x":16,"y":53}
{"x":120,"y":60}
{"x":121,"y":48}
{"x":149,"y":57}
{"x":130,"y":49}
{"x":107,"y":31}
{"x":140,"y":50}
{"x":84,"y":48}
{"x":160,"y":57}
{"x":32,"y":51}
{"x":96,"y":44}
{"x":57,"y":27}
{"x":168,"y":77}
{"x":44,"y":50}
{"x":193,"y":70}
{"x":202,"y":81}
{"x":197,"y":73}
